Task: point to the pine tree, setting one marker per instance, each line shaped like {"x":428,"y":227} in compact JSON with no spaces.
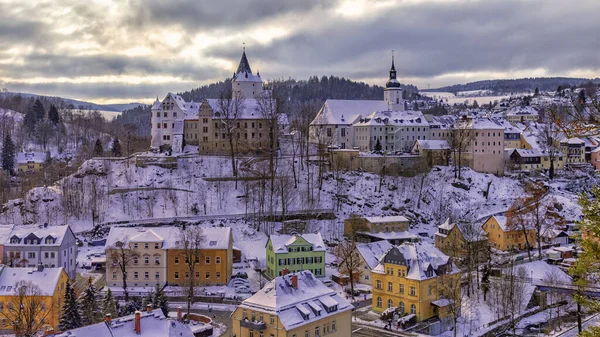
{"x":148,"y":299}
{"x":69,"y":318}
{"x":116,"y":148}
{"x":29,"y":121}
{"x":160,"y":300}
{"x":378,"y":146}
{"x":90,"y":310}
{"x":98,"y":149}
{"x":38,"y":111}
{"x":8,"y":155}
{"x":53,"y":115}
{"x":109,"y":306}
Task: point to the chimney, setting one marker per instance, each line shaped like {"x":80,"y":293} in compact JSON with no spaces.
{"x":285,"y":272}
{"x":49,"y":332}
{"x":295,"y":281}
{"x":179,"y":314}
{"x":108,"y":318}
{"x":148,"y":307}
{"x":138,"y":328}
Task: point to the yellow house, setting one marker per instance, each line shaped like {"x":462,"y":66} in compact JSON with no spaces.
{"x":535,"y":160}
{"x":293,"y":305}
{"x":44,"y":293}
{"x":503,"y":238}
{"x":370,"y":254}
{"x":459,"y":239}
{"x":30,"y":162}
{"x":159,"y":258}
{"x":407,"y":278}
{"x":216,"y":260}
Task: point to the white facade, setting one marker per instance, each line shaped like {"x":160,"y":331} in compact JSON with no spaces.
{"x":395,"y":130}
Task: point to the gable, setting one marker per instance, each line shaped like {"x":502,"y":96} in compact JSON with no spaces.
{"x":299,"y":241}
{"x":394,"y":256}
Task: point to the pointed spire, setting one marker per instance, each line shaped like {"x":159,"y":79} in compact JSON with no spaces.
{"x":244,"y":64}
{"x":392,"y":82}
{"x":393,"y":69}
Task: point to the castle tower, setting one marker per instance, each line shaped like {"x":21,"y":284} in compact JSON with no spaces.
{"x":392,"y":94}
{"x":244,"y":83}
{"x":156,"y":119}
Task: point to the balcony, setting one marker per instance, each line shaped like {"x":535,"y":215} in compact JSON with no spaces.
{"x":260,"y":326}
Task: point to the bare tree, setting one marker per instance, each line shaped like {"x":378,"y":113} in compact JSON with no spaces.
{"x":191,"y":238}
{"x":549,"y":135}
{"x":459,"y":137}
{"x":348,"y":258}
{"x":28,"y":310}
{"x":449,"y":291}
{"x":535,"y":211}
{"x":268,"y":106}
{"x":122,"y":256}
{"x":230,"y":110}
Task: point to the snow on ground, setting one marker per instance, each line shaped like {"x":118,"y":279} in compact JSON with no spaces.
{"x":542,"y":271}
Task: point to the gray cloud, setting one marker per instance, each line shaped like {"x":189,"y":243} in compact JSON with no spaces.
{"x":430,"y":39}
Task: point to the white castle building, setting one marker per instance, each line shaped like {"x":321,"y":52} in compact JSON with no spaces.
{"x":176,"y":122}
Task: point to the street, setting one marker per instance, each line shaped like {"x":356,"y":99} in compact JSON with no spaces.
{"x":359,"y":330}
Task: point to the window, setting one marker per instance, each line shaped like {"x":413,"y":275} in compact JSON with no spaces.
{"x":218,"y":260}
{"x":218,"y":275}
{"x":379,"y":302}
{"x":156,"y":245}
{"x":413,"y":291}
{"x":378,"y":284}
{"x":52,"y":255}
{"x":156,"y":275}
{"x":390,"y":286}
{"x":306,"y":333}
{"x":390,"y":303}
{"x":176,"y":275}
{"x":135,"y":275}
{"x":207,"y":275}
{"x":317,"y":331}
{"x":401,"y":306}
{"x":146,"y":259}
{"x":207,"y":260}
{"x":413,"y":309}
{"x":251,"y":333}
{"x":135,"y":246}
{"x":135,"y":260}
{"x":333,"y":326}
{"x":176,"y":259}
{"x":31,"y":255}
{"x":402,"y":288}
{"x":146,"y":275}
{"x":114,"y":275}
{"x":156,"y":260}
{"x":46,"y":255}
{"x":187,"y":275}
{"x":272,"y":320}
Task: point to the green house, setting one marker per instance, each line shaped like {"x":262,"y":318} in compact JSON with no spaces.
{"x":296,"y":253}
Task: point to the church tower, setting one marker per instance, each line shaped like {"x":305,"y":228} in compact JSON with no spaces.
{"x":244,"y":83}
{"x":392,"y":94}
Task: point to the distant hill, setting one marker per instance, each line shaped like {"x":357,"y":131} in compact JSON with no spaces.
{"x":125,"y":106}
{"x":76,"y":103}
{"x":517,"y":85}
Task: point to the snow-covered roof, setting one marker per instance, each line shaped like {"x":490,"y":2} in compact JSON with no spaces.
{"x":529,"y":153}
{"x":419,"y":258}
{"x":372,"y":252}
{"x":34,"y":232}
{"x":30,"y":157}
{"x":402,"y":235}
{"x":214,"y":237}
{"x":46,"y":279}
{"x":575,"y":141}
{"x":386,"y":219}
{"x":296,"y":306}
{"x":395,"y":118}
{"x":522,"y":111}
{"x":470,"y":231}
{"x":442,"y":302}
{"x":157,"y":105}
{"x":281,"y":242}
{"x":434,"y":144}
{"x":501,"y":220}
{"x":346,"y":112}
{"x":152,"y":324}
{"x":247,"y":77}
{"x":486,"y":124}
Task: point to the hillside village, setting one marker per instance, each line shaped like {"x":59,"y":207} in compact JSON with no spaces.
{"x":359,"y":217}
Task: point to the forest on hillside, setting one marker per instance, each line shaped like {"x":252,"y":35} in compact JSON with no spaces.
{"x":518,"y":85}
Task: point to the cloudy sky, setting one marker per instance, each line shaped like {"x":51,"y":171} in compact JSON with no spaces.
{"x":133,"y":50}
